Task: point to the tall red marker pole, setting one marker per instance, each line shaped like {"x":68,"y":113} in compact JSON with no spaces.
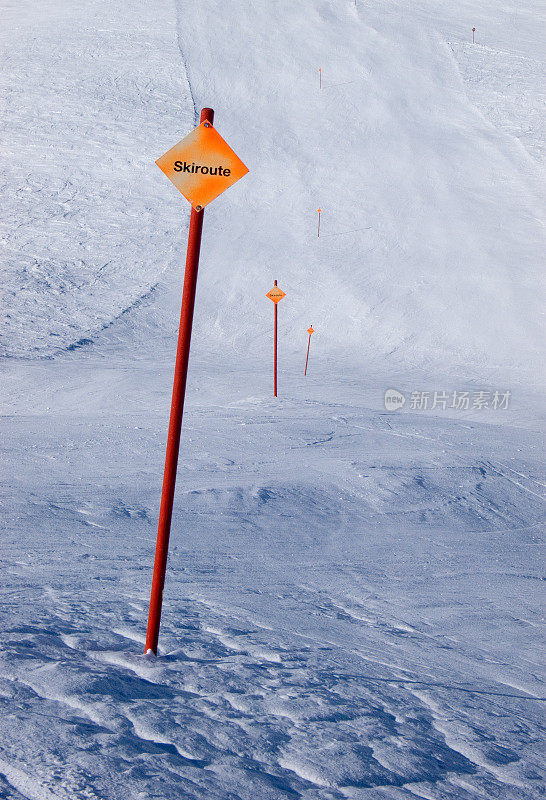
{"x":319,"y":210}
{"x":275,"y":328}
{"x":175,"y":421}
{"x":220,"y":167}
{"x":276,"y":295}
{"x":309,"y":331}
{"x":473,"y":32}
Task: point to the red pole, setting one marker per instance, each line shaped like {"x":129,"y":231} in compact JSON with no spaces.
{"x":275,"y":350}
{"x":175,"y":421}
{"x":473,"y":31}
{"x":318,"y":229}
{"x":307,"y":359}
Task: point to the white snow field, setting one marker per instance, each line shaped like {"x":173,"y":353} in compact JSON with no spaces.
{"x":352,"y":608}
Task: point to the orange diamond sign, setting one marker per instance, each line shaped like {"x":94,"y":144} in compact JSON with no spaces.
{"x":310,"y":330}
{"x":276,"y":294}
{"x":202,"y":165}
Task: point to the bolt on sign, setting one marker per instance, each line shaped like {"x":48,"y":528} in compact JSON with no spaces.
{"x":275,"y":294}
{"x":202,"y":165}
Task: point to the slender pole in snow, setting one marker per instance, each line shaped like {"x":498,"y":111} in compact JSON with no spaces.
{"x":320,"y":77}
{"x":318,"y":228}
{"x":175,"y":421}
{"x":473,"y":32}
{"x":307,"y":358}
{"x":275,"y":349}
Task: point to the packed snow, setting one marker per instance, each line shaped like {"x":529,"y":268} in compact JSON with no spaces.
{"x":352,"y":603}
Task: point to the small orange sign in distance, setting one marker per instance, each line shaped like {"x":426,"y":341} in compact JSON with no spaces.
{"x":310,"y":330}
{"x":202,"y":165}
{"x":275,"y":294}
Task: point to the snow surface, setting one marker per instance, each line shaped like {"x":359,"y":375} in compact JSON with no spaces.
{"x":352,"y":606}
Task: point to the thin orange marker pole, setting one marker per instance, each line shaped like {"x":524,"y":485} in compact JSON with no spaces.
{"x":319,"y":213}
{"x":309,"y":331}
{"x":320,"y":77}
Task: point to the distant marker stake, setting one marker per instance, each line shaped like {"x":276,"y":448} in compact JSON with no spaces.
{"x":202,"y":151}
{"x":319,"y":210}
{"x":473,"y":32}
{"x":275,"y":335}
{"x":275,"y":295}
{"x":309,"y":331}
{"x":320,"y":77}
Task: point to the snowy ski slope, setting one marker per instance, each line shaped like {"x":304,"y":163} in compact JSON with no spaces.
{"x":431,"y":211}
{"x":352,"y":607}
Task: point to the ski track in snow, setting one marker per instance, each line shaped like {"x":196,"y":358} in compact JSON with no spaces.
{"x":351,"y":609}
{"x":86,"y":231}
{"x":509,"y":90}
